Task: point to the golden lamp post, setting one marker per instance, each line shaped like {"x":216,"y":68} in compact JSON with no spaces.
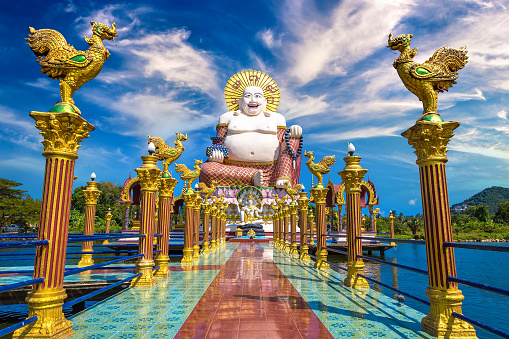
{"x":91,"y":194}
{"x":286,"y":224}
{"x":352,"y":176}
{"x":206,"y":221}
{"x":196,"y":220}
{"x":318,"y":193}
{"x":293,"y":228}
{"x":149,"y":175}
{"x":165,"y":192}
{"x":108,"y":223}
{"x":430,"y":139}
{"x":275,"y":225}
{"x":303,"y":224}
{"x":391,"y":223}
{"x":311,"y":221}
{"x":188,"y":196}
{"x":62,"y":133}
{"x":213,"y":223}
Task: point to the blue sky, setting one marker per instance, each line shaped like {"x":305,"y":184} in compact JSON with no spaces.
{"x":171,"y":60}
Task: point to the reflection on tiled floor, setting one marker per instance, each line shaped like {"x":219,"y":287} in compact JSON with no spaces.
{"x":346,"y":313}
{"x":249,"y":291}
{"x":151,"y":312}
{"x":251,"y":298}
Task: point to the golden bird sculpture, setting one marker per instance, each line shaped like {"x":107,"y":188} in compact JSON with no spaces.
{"x":293,"y":191}
{"x":207,"y":191}
{"x":318,"y":169}
{"x":188,"y":175}
{"x":428,"y":79}
{"x":71,"y":67}
{"x":168,"y":154}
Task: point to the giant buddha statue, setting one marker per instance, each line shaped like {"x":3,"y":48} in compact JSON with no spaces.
{"x":253,"y":146}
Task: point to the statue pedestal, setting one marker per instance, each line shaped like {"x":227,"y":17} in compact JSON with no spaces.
{"x":257,"y":228}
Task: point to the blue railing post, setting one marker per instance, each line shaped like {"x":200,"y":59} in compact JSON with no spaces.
{"x":430,"y":139}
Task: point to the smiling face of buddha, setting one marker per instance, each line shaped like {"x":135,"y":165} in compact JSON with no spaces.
{"x":252,"y":101}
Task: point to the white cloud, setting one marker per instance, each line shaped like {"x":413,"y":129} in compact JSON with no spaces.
{"x":331,"y":44}
{"x":267,"y":37}
{"x":412,"y":202}
{"x":492,"y":152}
{"x":293,"y":107}
{"x":362,"y":133}
{"x":169,"y":54}
{"x":142,"y":114}
{"x":502,"y":114}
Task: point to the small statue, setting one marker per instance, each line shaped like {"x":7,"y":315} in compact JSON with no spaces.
{"x":187,"y":174}
{"x":428,"y":79}
{"x":323,"y":167}
{"x":166,"y":153}
{"x":73,"y":68}
{"x":249,"y":214}
{"x":207,"y":191}
{"x":251,"y":232}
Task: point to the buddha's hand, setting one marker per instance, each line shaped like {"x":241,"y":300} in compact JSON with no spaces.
{"x":217,"y":156}
{"x":281,"y":183}
{"x":295,"y":131}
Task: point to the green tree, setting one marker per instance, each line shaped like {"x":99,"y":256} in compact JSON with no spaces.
{"x":481,"y":213}
{"x":16,"y":206}
{"x":502,"y":214}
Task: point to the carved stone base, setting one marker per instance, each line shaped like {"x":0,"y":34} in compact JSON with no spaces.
{"x":188,"y":256}
{"x":147,"y":279}
{"x":352,"y":279}
{"x":304,"y":253}
{"x":106,"y":242}
{"x":439,"y":322}
{"x":162,"y":262}
{"x":293,"y":249}
{"x":196,"y":252}
{"x":320,"y":257}
{"x":213,"y":244}
{"x":86,"y":260}
{"x":205,"y":247}
{"x":47,"y":306}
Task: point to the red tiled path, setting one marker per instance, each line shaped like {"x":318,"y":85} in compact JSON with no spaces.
{"x":251,"y":298}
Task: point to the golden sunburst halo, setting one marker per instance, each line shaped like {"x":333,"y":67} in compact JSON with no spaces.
{"x":236,"y":84}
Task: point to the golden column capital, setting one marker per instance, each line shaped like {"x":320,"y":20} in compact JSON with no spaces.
{"x":149,"y":174}
{"x":198,"y":202}
{"x":207,"y":207}
{"x":352,"y":174}
{"x":109,"y":215}
{"x":391,"y":218}
{"x":430,"y":139}
{"x":318,"y":195}
{"x":292,"y":209}
{"x":91,"y":193}
{"x":188,"y":197}
{"x":62,"y":132}
{"x":166,"y":187}
{"x":303,"y":201}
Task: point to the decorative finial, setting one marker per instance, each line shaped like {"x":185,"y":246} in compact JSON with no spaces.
{"x":350,"y":149}
{"x":93,"y":176}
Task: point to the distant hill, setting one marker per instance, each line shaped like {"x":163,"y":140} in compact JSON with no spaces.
{"x":490,"y":197}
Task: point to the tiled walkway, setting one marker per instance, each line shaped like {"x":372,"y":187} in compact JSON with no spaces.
{"x":249,"y":291}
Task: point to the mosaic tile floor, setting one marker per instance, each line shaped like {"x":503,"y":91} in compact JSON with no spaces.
{"x":248,"y":291}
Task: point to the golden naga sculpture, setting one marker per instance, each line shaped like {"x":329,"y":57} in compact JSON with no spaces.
{"x":293,"y":191}
{"x":426,"y":80}
{"x":323,"y":167}
{"x":168,"y":154}
{"x":207,"y":191}
{"x":73,"y":68}
{"x":188,"y":175}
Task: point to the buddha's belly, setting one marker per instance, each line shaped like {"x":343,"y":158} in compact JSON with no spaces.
{"x":252,"y":147}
